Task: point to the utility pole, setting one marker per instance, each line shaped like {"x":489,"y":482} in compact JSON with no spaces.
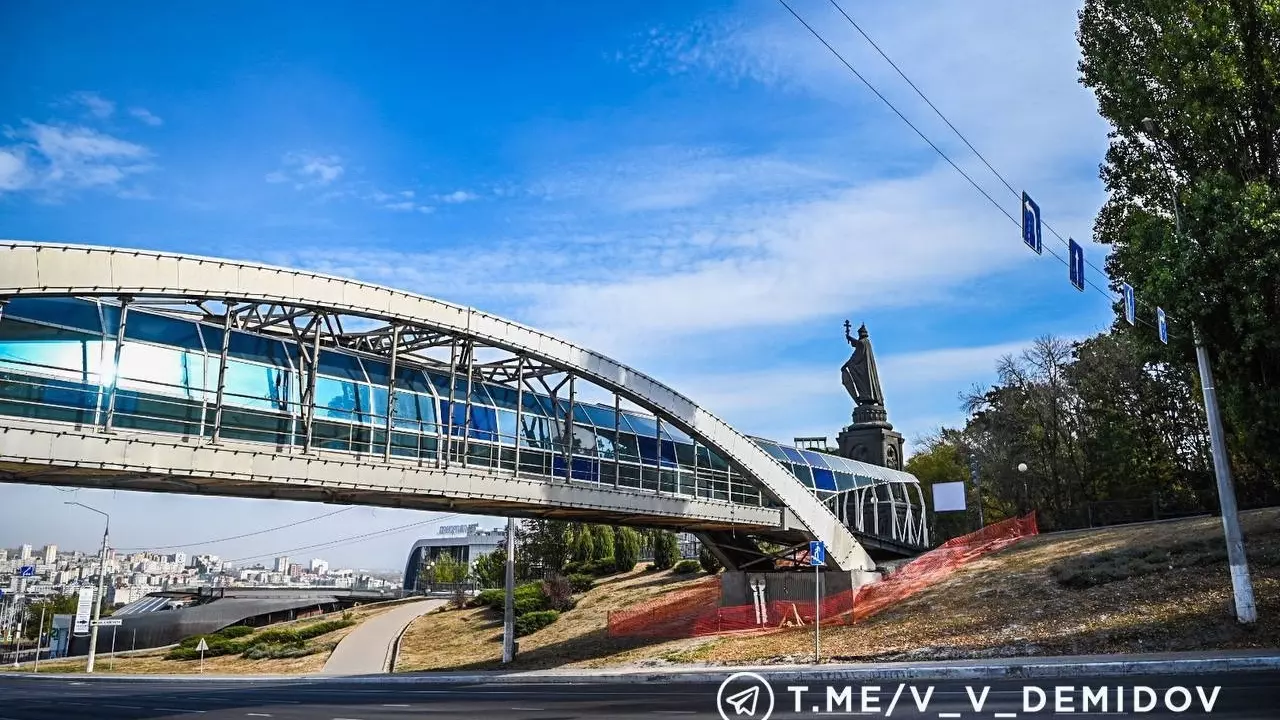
{"x":1241,"y":583}
{"x":39,"y":639}
{"x":97,"y":600}
{"x":509,"y":605}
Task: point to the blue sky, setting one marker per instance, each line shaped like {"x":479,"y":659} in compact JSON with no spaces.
{"x":697,"y":189}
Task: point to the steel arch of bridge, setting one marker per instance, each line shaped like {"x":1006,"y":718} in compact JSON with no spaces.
{"x":310,"y":306}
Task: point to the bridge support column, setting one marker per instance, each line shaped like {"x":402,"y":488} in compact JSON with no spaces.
{"x":222,"y":374}
{"x":447,"y":445}
{"x":309,"y":405}
{"x":391,"y":389}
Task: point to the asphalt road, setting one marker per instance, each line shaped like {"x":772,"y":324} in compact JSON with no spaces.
{"x":1253,"y":695}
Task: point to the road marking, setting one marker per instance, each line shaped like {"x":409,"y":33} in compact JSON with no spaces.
{"x":397,"y":705}
{"x":1006,"y":715}
{"x":948,"y":715}
{"x":258,"y":714}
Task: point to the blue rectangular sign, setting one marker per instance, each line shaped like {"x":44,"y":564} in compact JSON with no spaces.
{"x":27,"y":571}
{"x":1075,"y":263}
{"x":817,"y":553}
{"x":1162,"y":325}
{"x":1130,"y":304}
{"x":1031,"y":224}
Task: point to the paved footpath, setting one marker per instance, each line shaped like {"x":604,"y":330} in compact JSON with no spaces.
{"x":367,"y":649}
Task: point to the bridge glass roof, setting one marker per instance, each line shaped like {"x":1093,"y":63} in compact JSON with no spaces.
{"x":171,"y":362}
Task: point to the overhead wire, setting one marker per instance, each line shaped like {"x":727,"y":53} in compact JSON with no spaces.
{"x":241,"y":536}
{"x":350,"y":540}
{"x":1103,"y":291}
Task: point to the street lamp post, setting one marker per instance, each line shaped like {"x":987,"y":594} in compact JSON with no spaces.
{"x":1026,"y":491}
{"x":97,"y":600}
{"x":1241,"y":583}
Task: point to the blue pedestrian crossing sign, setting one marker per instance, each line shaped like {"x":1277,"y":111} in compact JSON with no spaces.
{"x":1075,"y":263}
{"x":1162,"y":325}
{"x":1130,"y":304}
{"x":1031,"y":224}
{"x":817,"y":553}
{"x":27,"y":571}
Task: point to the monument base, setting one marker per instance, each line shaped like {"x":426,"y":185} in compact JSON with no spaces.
{"x":874,"y":442}
{"x":735,"y":586}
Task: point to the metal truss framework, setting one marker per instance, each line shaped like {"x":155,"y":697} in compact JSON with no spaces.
{"x":317,"y":312}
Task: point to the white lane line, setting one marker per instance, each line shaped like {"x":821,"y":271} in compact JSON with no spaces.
{"x":258,"y":714}
{"x":396,"y":705}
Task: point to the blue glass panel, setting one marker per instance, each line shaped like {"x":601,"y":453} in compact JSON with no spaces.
{"x":708,"y":459}
{"x":457,"y":419}
{"x":668,"y":452}
{"x":479,"y":396}
{"x":408,"y":414}
{"x":585,"y":469}
{"x":845,"y":481}
{"x":601,"y":417}
{"x":503,"y":397}
{"x":253,"y":386}
{"x":604,"y":444}
{"x":625,"y":446}
{"x":773,"y":450}
{"x":648,"y":449}
{"x":68,"y":350}
{"x":68,"y":312}
{"x":584,"y":440}
{"x":536,"y":431}
{"x":536,"y":404}
{"x":823,"y":479}
{"x":158,"y":369}
{"x":643,"y":426}
{"x":162,"y":330}
{"x":506,"y":427}
{"x":484,"y":423}
{"x":676,"y":433}
{"x":246,"y":346}
{"x":815,"y":459}
{"x":440,"y":381}
{"x":341,"y":366}
{"x":411,"y":379}
{"x":793,"y":455}
{"x":580,"y":415}
{"x":802,"y":473}
{"x":377,"y":371}
{"x":684,"y":454}
{"x":341,"y":400}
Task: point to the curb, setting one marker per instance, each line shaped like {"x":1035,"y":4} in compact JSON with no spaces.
{"x":1019,"y":668}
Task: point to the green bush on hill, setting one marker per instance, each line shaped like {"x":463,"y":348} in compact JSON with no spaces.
{"x":535,"y":621}
{"x":580,"y":582}
{"x":686,"y":567}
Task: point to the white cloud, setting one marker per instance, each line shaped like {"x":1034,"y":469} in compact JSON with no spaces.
{"x":457,"y":197}
{"x":55,"y":158}
{"x":146,"y":116}
{"x":307,"y":170}
{"x":98,"y":106}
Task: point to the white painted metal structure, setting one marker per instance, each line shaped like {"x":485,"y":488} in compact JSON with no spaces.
{"x":29,"y":448}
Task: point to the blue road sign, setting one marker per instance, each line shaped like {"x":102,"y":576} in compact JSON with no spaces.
{"x":817,"y":553}
{"x":27,"y":571}
{"x":1075,"y":263}
{"x":1162,"y":325}
{"x":1130,"y":304}
{"x":1031,"y":224}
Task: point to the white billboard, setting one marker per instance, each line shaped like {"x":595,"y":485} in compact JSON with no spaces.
{"x":948,"y":497}
{"x":84,"y":608}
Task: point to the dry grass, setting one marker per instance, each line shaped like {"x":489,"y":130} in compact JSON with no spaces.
{"x":472,"y":638}
{"x":1007,"y":604}
{"x":154,"y":663}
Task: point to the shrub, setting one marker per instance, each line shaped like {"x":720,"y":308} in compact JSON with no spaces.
{"x":535,"y":621}
{"x":460,"y":597}
{"x":666,"y":550}
{"x":319,"y":629}
{"x":262,"y":651}
{"x":708,"y":560}
{"x":279,"y":636}
{"x":580,"y":582}
{"x":495,"y":598}
{"x":235,"y":631}
{"x":604,"y":544}
{"x":686,"y":567}
{"x":558,"y":593}
{"x":626,"y":549}
{"x":526,"y":605}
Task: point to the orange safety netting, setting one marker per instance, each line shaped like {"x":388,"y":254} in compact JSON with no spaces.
{"x":693,"y":611}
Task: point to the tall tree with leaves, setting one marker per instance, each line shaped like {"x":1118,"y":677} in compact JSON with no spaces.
{"x":1207,"y":74}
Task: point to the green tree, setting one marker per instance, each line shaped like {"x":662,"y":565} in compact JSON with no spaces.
{"x":544,"y":546}
{"x":584,"y":545}
{"x":490,"y":569}
{"x":53,"y":605}
{"x":941,"y":459}
{"x":603,"y":535}
{"x":1208,"y":74}
{"x":666,"y":550}
{"x":449,"y":569}
{"x":626,"y":549}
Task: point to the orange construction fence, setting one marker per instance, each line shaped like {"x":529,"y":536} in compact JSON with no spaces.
{"x":694,"y":611}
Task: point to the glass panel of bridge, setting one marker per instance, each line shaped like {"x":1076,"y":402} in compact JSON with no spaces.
{"x":600,"y":417}
{"x":340,"y":399}
{"x":30,"y":348}
{"x":774,"y":450}
{"x":815,"y":459}
{"x":536,"y":404}
{"x":845,"y":481}
{"x":536,"y":432}
{"x":676,"y":433}
{"x":581,"y":415}
{"x":648,"y":449}
{"x":824,"y":479}
{"x":503,"y":397}
{"x":169,"y":371}
{"x":642,"y":426}
{"x":708,"y":459}
{"x":250,"y":385}
{"x":802,"y":473}
{"x":627,"y":447}
{"x":67,"y":312}
{"x":484,"y":423}
{"x":341,"y":366}
{"x":793,"y":455}
{"x":163,"y":330}
{"x":507,"y":431}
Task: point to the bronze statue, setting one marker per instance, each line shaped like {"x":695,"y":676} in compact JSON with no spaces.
{"x":859,"y":374}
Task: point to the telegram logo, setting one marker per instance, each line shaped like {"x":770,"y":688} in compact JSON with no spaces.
{"x":745,"y":696}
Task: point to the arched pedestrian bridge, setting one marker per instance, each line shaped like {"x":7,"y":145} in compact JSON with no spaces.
{"x":152,"y":371}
